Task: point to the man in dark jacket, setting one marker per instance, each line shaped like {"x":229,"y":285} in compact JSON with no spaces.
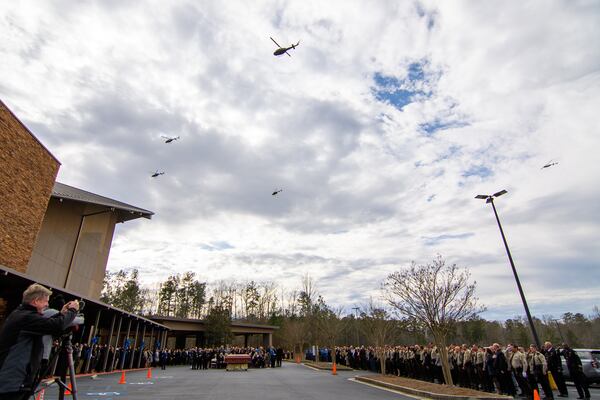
{"x":21,"y":345}
{"x":502,"y":374}
{"x":555,"y":367}
{"x":576,"y":371}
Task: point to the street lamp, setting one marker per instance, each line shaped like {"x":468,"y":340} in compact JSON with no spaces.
{"x":356,"y":314}
{"x":490,"y":199}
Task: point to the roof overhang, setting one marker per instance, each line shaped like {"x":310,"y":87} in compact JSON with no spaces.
{"x":124,"y":211}
{"x":18,"y":281}
{"x":190,"y":324}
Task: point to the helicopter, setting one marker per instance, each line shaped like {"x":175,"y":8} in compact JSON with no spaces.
{"x":156,"y":173}
{"x":275,"y":192}
{"x":549,"y":164}
{"x":169,"y":139}
{"x":283,"y":50}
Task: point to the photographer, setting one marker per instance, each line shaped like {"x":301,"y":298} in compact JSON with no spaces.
{"x":21,"y":345}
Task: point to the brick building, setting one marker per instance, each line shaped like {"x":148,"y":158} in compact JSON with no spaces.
{"x":27,"y":174}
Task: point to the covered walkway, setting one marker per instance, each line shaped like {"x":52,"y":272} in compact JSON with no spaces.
{"x":105,"y":327}
{"x":185,"y":332}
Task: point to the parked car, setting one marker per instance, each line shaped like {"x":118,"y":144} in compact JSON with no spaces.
{"x":590,"y":359}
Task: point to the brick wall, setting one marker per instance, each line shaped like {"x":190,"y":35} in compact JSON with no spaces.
{"x":27,"y":175}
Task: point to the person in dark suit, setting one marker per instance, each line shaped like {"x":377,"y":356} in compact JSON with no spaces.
{"x":279,"y":356}
{"x":576,"y":371}
{"x":555,"y":367}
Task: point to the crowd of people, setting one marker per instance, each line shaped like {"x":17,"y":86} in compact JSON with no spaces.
{"x":94,"y":358}
{"x":512,"y":370}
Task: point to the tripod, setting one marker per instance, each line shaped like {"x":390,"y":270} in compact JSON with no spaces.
{"x":66,"y":348}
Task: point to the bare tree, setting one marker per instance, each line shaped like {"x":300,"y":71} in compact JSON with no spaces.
{"x":307,"y":296}
{"x":292,"y":335}
{"x":435,"y":295}
{"x":378,"y":327}
{"x":329,"y":325}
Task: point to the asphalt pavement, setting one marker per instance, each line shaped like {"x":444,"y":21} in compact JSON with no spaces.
{"x":292,"y":381}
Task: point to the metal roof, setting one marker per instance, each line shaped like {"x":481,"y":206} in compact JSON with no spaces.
{"x":201,"y":321}
{"x":126,"y":211}
{"x":20,"y":278}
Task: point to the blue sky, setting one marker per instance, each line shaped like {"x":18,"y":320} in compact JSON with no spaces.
{"x":381,"y":128}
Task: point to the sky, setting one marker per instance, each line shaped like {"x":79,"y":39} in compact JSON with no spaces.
{"x":380,"y":129}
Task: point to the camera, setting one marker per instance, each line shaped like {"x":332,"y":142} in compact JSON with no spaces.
{"x":79,"y":318}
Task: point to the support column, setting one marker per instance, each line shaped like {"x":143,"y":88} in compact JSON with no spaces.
{"x":180,"y":341}
{"x":92,"y":334}
{"x":137,"y":326}
{"x":267,"y":340}
{"x":122,"y":361}
{"x":112,"y":328}
{"x":152,"y":347}
{"x":112,"y":362}
{"x":246,"y":336}
{"x":142,"y":345}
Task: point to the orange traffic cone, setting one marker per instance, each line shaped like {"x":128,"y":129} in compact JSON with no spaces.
{"x":40,"y":395}
{"x":297,"y":359}
{"x":334,"y":369}
{"x":536,"y":395}
{"x":149,"y":375}
{"x":68,"y":391}
{"x":122,"y":381}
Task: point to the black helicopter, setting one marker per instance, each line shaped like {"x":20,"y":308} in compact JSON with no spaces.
{"x":549,"y":164}
{"x":275,"y":192}
{"x":169,"y":139}
{"x":156,"y":173}
{"x":283,"y":50}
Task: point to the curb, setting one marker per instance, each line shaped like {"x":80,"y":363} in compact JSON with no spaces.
{"x":423,"y":393}
{"x":114,"y":371}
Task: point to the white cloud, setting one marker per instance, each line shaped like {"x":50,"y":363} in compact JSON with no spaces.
{"x":365,"y":189}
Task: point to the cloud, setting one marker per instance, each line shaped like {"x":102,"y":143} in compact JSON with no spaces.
{"x":380,"y":129}
{"x":430,"y":241}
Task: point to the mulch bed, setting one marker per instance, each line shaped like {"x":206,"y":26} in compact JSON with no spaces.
{"x":326,"y":366}
{"x":433,"y":388}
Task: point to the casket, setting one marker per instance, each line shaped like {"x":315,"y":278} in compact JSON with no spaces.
{"x":237,"y":362}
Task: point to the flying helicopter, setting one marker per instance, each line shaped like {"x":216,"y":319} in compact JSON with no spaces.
{"x":283,"y":50}
{"x":169,"y":139}
{"x":156,"y":173}
{"x":549,"y":164}
{"x":275,"y":192}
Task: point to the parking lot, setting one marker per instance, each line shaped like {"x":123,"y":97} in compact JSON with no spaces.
{"x":292,"y":381}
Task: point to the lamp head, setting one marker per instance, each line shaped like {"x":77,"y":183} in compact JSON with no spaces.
{"x":490,"y":198}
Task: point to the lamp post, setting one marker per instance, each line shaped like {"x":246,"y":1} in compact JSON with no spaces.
{"x":490,"y":199}
{"x":356,"y":309}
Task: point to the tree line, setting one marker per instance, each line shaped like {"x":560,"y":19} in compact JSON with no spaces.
{"x":421,"y":303}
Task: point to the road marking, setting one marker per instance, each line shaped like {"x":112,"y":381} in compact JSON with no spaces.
{"x":387,"y":389}
{"x":313,"y":368}
{"x":104,"y":394}
{"x":141,"y":383}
